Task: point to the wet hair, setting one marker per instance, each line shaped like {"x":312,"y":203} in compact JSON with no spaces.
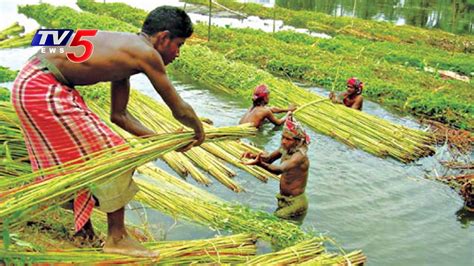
{"x":259,"y":102}
{"x":168,"y":18}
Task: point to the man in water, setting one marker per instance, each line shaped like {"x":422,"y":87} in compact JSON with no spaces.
{"x":259,"y":111}
{"x":292,"y":201}
{"x":58,"y":126}
{"x":352,"y":98}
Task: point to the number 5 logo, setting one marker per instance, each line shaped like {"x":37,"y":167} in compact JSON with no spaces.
{"x":88,"y":46}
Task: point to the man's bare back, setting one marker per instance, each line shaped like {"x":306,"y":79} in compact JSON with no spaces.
{"x":256,"y":116}
{"x":116,"y":56}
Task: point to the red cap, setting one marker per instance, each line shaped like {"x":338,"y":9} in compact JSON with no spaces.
{"x":356,"y":84}
{"x":260,"y":91}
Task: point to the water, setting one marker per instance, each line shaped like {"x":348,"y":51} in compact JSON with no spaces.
{"x":455,"y":16}
{"x":386,"y":208}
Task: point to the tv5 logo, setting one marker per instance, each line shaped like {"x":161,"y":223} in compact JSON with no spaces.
{"x":61,"y":37}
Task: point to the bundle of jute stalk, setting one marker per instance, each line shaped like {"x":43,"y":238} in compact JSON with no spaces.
{"x":158,"y":117}
{"x":308,"y":252}
{"x":235,"y":218}
{"x":354,"y":128}
{"x":301,"y":252}
{"x":352,"y":258}
{"x":219,"y":215}
{"x":229,"y":150}
{"x":21,"y":203}
{"x":227,"y":249}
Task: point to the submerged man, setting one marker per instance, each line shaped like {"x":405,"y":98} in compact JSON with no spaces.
{"x":352,"y":98}
{"x":292,"y":201}
{"x":58,"y":126}
{"x":259,"y":111}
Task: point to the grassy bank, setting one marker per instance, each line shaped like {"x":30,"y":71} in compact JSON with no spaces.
{"x":360,"y":28}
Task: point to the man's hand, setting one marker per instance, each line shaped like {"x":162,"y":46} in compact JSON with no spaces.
{"x":199,"y":137}
{"x":248,"y":155}
{"x":333,"y":97}
{"x":256,"y":161}
{"x":206,"y":120}
{"x":292,"y":107}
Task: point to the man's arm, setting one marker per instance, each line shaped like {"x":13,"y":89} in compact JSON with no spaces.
{"x":276,"y":121}
{"x":357,"y":103}
{"x":119,"y":114}
{"x":152,"y":65}
{"x":295,"y":160}
{"x":277,"y":110}
{"x":270,"y":158}
{"x":336,"y":98}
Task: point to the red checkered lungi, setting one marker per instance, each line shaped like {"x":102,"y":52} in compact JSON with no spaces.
{"x":58,"y":126}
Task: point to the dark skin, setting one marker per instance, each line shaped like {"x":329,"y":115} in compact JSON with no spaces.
{"x":257,"y":115}
{"x":293,"y":169}
{"x":350,"y":98}
{"x":115,"y":58}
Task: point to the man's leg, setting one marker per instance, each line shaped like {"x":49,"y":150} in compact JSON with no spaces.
{"x":118,"y":241}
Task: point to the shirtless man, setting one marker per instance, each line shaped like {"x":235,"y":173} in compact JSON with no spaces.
{"x":54,"y":117}
{"x":352,"y":98}
{"x":292,"y":201}
{"x":259,"y":111}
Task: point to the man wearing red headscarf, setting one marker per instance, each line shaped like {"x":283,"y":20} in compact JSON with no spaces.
{"x":292,"y":201}
{"x":259,"y":111}
{"x":352,"y":97}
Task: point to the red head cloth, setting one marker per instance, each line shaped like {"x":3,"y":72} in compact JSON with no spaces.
{"x":261,"y":91}
{"x":293,"y":128}
{"x":356,"y":84}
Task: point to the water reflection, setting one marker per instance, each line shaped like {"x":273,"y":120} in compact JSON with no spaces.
{"x":455,"y":16}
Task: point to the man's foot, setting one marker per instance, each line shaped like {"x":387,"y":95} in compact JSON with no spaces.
{"x":128,"y":246}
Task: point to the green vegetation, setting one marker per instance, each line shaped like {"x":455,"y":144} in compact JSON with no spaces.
{"x":402,"y":88}
{"x":4,"y":94}
{"x":316,"y":61}
{"x":388,"y":51}
{"x":360,"y":28}
{"x":65,"y":17}
{"x":13,"y":30}
{"x":7,"y":75}
{"x":18,"y":41}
